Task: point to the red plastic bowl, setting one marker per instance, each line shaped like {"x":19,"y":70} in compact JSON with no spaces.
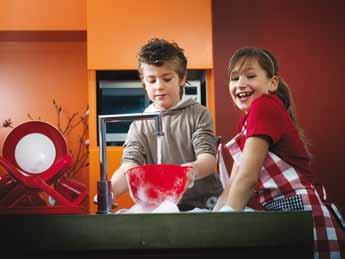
{"x":152,"y":184}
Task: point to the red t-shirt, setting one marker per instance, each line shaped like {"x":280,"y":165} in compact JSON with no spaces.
{"x":267,"y":117}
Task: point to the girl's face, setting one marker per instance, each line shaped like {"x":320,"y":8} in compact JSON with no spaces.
{"x":162,"y":85}
{"x":248,"y":82}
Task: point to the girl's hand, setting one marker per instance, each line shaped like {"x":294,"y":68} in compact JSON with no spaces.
{"x":221,"y":206}
{"x":220,"y":203}
{"x":226,"y":208}
{"x":222,"y":200}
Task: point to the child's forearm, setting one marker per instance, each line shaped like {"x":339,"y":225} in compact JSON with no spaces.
{"x":239,"y":194}
{"x":247,"y":175}
{"x":118,"y":180}
{"x":223,"y":198}
{"x":203,"y":166}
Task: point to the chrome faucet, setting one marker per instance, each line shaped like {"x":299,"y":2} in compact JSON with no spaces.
{"x":104,"y":198}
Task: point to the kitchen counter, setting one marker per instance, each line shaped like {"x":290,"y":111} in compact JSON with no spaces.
{"x":241,"y":234}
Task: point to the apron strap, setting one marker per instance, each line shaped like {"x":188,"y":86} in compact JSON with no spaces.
{"x":223,"y":172}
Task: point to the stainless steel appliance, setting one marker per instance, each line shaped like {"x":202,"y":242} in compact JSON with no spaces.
{"x":121,"y":92}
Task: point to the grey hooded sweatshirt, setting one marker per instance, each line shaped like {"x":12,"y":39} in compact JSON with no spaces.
{"x":188,"y":132}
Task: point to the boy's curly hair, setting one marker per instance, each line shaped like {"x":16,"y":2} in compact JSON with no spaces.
{"x":159,"y":51}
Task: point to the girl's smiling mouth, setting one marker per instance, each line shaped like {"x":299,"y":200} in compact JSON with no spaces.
{"x":244,"y":95}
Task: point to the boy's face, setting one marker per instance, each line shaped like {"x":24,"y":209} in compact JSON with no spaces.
{"x":162,"y":85}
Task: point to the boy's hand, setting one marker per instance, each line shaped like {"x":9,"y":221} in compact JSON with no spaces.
{"x":190,"y":177}
{"x":191,"y":173}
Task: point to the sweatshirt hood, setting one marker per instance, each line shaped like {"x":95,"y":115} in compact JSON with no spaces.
{"x":184,"y":102}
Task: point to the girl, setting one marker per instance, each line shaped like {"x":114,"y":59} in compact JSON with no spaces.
{"x":271,"y":160}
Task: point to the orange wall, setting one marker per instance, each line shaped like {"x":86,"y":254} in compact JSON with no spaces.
{"x":46,"y":69}
{"x":32,"y":74}
{"x":42,"y":15}
{"x":43,"y":57}
{"x":117,"y":28}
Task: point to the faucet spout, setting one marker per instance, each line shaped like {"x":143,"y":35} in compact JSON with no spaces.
{"x":159,"y":127}
{"x":104,"y":198}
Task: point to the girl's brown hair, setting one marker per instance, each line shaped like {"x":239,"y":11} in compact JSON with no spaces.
{"x":269,"y":64}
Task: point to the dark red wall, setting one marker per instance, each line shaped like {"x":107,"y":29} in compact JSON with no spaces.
{"x":308,"y":39}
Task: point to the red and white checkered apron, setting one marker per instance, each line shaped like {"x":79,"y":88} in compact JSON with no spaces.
{"x":281,"y":187}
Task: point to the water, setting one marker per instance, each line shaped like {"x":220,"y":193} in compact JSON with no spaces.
{"x":159,"y":149}
{"x":165,"y":207}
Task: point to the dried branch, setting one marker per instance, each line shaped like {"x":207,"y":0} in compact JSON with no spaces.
{"x":30,"y":117}
{"x":7,"y":123}
{"x":80,"y":158}
{"x":58,"y":110}
{"x":70,"y":126}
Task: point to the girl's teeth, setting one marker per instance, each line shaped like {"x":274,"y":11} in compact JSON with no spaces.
{"x":243,"y":95}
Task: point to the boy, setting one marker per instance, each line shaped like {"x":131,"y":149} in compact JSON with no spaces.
{"x":187,"y":125}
